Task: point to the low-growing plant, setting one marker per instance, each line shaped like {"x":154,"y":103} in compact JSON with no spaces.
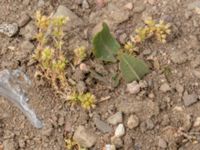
{"x":86,"y":100}
{"x":107,"y":49}
{"x":52,"y":62}
{"x":49,"y":54}
{"x":151,"y":29}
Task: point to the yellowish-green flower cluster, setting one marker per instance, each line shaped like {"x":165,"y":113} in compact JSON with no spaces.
{"x":49,"y":54}
{"x":152,"y":29}
{"x":73,"y":145}
{"x":80,"y":55}
{"x":87,"y":100}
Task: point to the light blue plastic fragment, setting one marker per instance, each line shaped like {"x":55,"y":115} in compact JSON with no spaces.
{"x":12,"y":87}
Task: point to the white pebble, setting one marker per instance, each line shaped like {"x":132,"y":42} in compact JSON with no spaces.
{"x":120,"y":130}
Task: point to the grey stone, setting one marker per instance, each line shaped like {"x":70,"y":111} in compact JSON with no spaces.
{"x":74,"y":20}
{"x":149,"y":124}
{"x":115,"y":119}
{"x":27,"y":46}
{"x":24,"y":19}
{"x":133,"y":122}
{"x":162,"y":143}
{"x":84,"y":137}
{"x":117,"y":14}
{"x":190,"y":99}
{"x":102,"y":126}
{"x":29,"y":31}
{"x":9,"y":29}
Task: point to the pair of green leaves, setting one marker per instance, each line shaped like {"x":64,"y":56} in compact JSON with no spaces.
{"x":107,"y":48}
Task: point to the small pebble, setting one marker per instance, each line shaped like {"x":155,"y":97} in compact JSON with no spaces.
{"x":190,"y":99}
{"x":120,"y":130}
{"x":133,"y":122}
{"x":115,"y":119}
{"x":162,"y":143}
{"x":84,"y":68}
{"x":25,"y":18}
{"x":165,"y":87}
{"x":197,"y":122}
{"x":102,"y":126}
{"x":110,"y":147}
{"x":149,"y":124}
{"x":129,"y":6}
{"x":85,"y":4}
{"x":9,"y":29}
{"x":133,"y":87}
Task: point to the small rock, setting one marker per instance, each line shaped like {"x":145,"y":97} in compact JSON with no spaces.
{"x":74,"y":20}
{"x":29,"y":31}
{"x":22,"y":143}
{"x":84,"y":137}
{"x":120,"y":130}
{"x":117,"y":14}
{"x":178,"y":57}
{"x":189,"y":99}
{"x":102,"y":126}
{"x":129,"y":6}
{"x":9,"y":29}
{"x":197,"y":122}
{"x":27,"y":46}
{"x":9,"y":144}
{"x":149,"y":124}
{"x":139,"y":9}
{"x":115,"y":119}
{"x":117,"y":141}
{"x":162,"y":143}
{"x":133,"y":122}
{"x":165,"y":87}
{"x":24,"y":19}
{"x":85,"y":4}
{"x":84,"y":68}
{"x":81,"y":87}
{"x":133,"y":87}
{"x":109,"y":147}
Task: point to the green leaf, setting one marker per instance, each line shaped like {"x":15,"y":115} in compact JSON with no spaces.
{"x":105,"y":45}
{"x":132,"y":68}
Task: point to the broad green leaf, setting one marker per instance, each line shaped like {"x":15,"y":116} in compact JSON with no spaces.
{"x":105,"y":45}
{"x":132,"y":68}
